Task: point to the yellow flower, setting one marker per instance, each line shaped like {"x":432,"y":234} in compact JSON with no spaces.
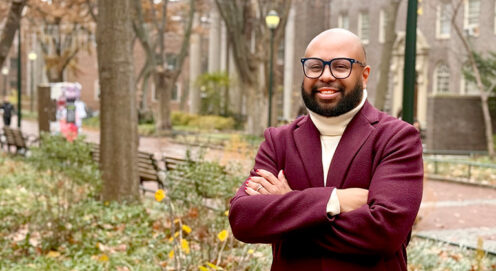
{"x":213,"y":266}
{"x":185,"y":246}
{"x":106,"y":203}
{"x":226,"y":213}
{"x":171,"y":254}
{"x":53,"y":254}
{"x":171,"y":239}
{"x":177,"y":220}
{"x":103,"y":258}
{"x":186,"y":228}
{"x":202,"y":268}
{"x":159,"y":195}
{"x":251,"y":251}
{"x":223,"y":235}
{"x":176,"y":234}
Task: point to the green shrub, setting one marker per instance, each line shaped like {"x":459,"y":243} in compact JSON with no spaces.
{"x":146,"y":129}
{"x":209,"y":122}
{"x":212,"y":85}
{"x":213,"y":123}
{"x":181,"y":234}
{"x":93,"y":122}
{"x":67,"y":175}
{"x":181,"y":118}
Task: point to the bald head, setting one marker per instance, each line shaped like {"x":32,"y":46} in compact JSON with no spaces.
{"x":337,"y":41}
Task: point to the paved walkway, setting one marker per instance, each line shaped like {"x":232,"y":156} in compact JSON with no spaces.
{"x":455,"y":213}
{"x":458,"y":214}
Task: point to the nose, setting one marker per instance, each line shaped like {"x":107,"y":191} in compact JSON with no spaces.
{"x":326,"y":74}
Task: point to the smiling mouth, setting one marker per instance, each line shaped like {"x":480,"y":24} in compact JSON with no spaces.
{"x":327,"y":91}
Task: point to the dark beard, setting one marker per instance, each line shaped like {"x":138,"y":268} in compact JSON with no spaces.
{"x":347,"y":103}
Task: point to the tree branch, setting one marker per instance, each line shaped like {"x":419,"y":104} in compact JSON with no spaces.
{"x":10,"y":28}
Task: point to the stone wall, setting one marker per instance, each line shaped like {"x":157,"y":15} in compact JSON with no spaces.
{"x":457,"y":123}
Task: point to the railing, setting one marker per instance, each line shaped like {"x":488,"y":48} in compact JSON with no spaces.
{"x":454,"y":168}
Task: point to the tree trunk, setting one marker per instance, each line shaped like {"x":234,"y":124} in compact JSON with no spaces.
{"x":194,"y":69}
{"x":483,"y":94}
{"x":118,"y":121}
{"x":54,"y":75}
{"x":164,"y":91}
{"x":387,"y":51}
{"x":257,"y":109}
{"x":10,"y":28}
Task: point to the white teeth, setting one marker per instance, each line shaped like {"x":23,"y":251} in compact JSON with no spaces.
{"x":328,"y":92}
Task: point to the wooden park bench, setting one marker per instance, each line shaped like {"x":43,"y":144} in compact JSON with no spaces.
{"x":15,"y":138}
{"x":148,"y":168}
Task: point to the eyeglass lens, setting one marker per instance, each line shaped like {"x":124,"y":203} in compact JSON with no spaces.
{"x":340,"y":68}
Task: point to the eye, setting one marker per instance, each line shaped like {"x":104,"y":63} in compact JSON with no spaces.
{"x":315,"y":67}
{"x":341,"y":66}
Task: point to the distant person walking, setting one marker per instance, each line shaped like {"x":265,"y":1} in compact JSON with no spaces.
{"x":8,"y":111}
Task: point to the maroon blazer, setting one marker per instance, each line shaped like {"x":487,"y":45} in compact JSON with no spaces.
{"x":376,"y":152}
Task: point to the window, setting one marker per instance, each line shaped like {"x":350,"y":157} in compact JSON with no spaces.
{"x":344,"y":21}
{"x":472,"y":14}
{"x":383,"y":20}
{"x":363,"y":27}
{"x":176,"y":92}
{"x":153,"y":90}
{"x":171,"y":60}
{"x":443,"y":22}
{"x":469,"y":87}
{"x":442,"y":78}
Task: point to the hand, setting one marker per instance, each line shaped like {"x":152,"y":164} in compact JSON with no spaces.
{"x":352,"y":198}
{"x":267,"y":184}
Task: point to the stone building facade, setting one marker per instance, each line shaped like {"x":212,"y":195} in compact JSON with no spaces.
{"x":440,"y":58}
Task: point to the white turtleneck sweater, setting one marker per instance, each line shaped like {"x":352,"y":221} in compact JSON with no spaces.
{"x":331,"y":129}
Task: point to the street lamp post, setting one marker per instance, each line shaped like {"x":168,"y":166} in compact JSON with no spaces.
{"x":32,"y":58}
{"x":5,"y":73}
{"x":409,"y":69}
{"x":272,"y":21}
{"x":19,"y":77}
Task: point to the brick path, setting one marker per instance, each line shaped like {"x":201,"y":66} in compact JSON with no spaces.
{"x":459,"y":214}
{"x":454,"y":213}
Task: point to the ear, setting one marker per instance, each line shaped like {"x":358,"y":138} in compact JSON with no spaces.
{"x":365,"y":76}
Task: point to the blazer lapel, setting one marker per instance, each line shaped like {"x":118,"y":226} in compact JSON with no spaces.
{"x":307,"y":139}
{"x":354,"y":136}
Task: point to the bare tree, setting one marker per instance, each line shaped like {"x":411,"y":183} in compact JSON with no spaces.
{"x":118,"y":121}
{"x":10,"y":28}
{"x":245,"y":24}
{"x":64,"y":28}
{"x":484,"y":94}
{"x":386,"y":55}
{"x":153,"y":43}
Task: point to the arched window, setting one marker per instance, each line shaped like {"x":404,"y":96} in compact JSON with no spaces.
{"x":442,"y":78}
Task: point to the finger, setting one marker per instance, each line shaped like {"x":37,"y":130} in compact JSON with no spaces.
{"x":281,"y":176}
{"x":268,"y":176}
{"x":251,"y":192}
{"x":262,"y":181}
{"x":256,"y":186}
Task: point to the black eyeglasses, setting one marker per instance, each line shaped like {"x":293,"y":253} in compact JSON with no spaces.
{"x":340,"y":67}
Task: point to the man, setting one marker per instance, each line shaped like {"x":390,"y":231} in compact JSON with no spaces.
{"x":8,"y":111}
{"x":349,"y":177}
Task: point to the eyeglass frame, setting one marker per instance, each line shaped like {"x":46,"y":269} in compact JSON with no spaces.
{"x":325,"y":63}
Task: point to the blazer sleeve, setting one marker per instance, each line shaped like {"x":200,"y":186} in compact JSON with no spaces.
{"x":395,"y":193}
{"x":268,"y":218}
